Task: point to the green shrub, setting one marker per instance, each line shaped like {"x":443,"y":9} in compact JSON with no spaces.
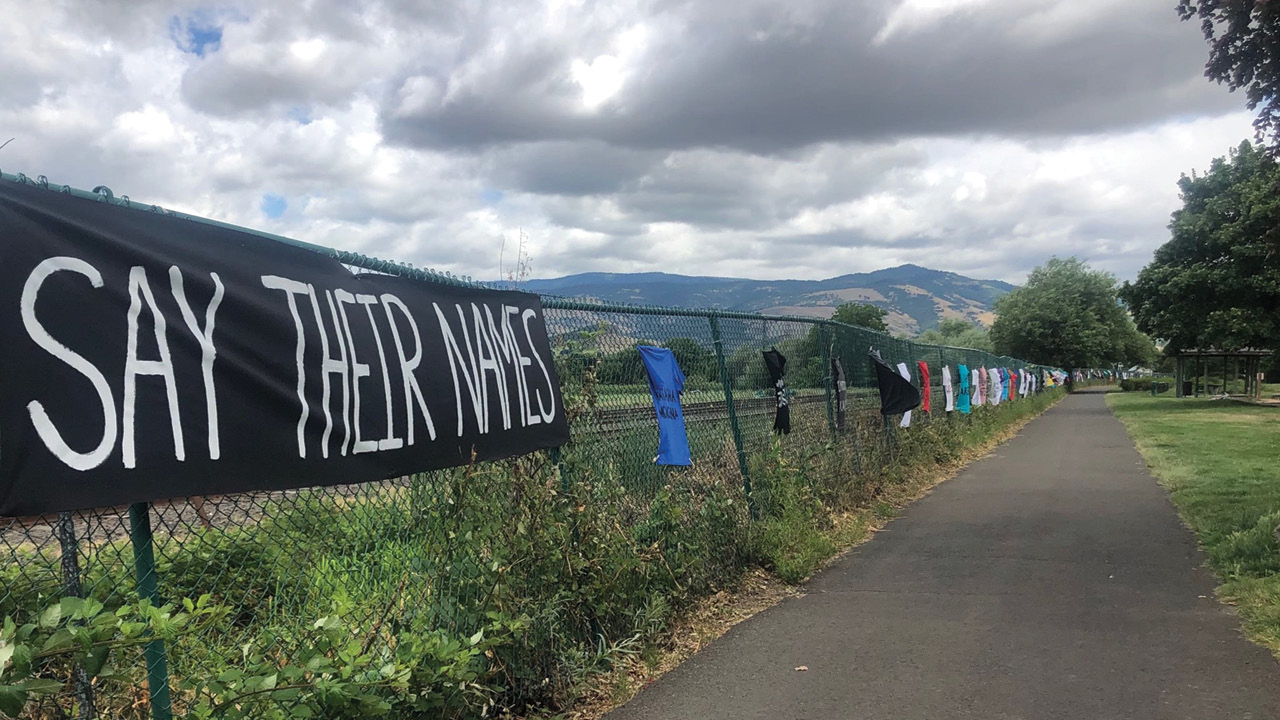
{"x":1143,"y":384}
{"x":790,"y":539}
{"x":556,"y":568}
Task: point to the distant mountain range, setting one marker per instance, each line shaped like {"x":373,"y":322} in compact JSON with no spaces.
{"x":916,"y":297}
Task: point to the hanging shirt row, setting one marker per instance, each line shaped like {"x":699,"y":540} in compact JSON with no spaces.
{"x":666,"y":383}
{"x":898,"y":393}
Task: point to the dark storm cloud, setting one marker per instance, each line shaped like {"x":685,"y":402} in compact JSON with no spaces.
{"x":762,"y":80}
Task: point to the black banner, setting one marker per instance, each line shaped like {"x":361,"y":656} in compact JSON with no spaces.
{"x":145,"y":356}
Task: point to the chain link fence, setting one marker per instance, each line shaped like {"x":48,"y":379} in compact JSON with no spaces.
{"x":589,"y":547}
{"x":444,"y":549}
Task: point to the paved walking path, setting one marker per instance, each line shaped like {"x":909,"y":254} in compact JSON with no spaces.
{"x":1051,"y":580}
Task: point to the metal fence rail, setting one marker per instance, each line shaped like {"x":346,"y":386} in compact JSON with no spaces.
{"x":448,"y":550}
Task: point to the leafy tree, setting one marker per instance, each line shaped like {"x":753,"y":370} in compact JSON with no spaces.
{"x":746,"y":368}
{"x":625,"y":366}
{"x":1244,"y":52}
{"x":1066,"y":315}
{"x":1216,"y":282}
{"x":957,"y":333}
{"x":804,"y":360}
{"x":576,"y":351}
{"x":1140,"y":350}
{"x":697,"y":362}
{"x":862,"y":315}
{"x":804,"y":364}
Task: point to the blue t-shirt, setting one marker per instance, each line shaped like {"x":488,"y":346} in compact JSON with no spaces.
{"x":666,"y":382}
{"x":962,"y":400}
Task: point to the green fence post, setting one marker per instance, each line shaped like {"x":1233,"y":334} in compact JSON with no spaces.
{"x":733,"y":411}
{"x":827,"y":378}
{"x":71,"y":587}
{"x":557,"y":460}
{"x":144,"y":562}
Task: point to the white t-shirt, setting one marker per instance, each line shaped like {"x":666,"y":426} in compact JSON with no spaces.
{"x":946,"y":387}
{"x":906,"y":374}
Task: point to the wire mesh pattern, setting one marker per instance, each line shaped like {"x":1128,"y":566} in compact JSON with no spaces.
{"x":588,"y":546}
{"x":444,"y":549}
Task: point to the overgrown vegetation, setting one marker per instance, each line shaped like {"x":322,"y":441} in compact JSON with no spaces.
{"x":1219,"y":459}
{"x":501,"y":586}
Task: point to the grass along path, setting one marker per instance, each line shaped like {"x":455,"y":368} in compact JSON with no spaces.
{"x":1221,"y":464}
{"x":798,"y":549}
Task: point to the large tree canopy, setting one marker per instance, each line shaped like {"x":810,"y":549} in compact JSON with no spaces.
{"x":957,"y":333}
{"x":1067,"y":315}
{"x":862,"y":315}
{"x":1217,"y":281}
{"x":1244,"y":52}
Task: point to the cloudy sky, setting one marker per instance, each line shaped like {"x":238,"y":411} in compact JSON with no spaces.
{"x":754,"y":138}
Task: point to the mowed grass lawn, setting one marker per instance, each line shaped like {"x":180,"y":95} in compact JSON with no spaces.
{"x":1221,"y":463}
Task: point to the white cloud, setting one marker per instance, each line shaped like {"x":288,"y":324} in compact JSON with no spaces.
{"x":301,"y":105}
{"x":419,"y":95}
{"x":147,"y":129}
{"x":600,"y":79}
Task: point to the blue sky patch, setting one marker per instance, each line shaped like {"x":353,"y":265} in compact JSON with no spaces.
{"x":273,"y":206}
{"x":300,"y":115}
{"x":492,"y":196}
{"x":198,"y":33}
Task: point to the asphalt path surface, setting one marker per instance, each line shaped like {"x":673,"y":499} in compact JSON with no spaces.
{"x":1052,"y":579}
